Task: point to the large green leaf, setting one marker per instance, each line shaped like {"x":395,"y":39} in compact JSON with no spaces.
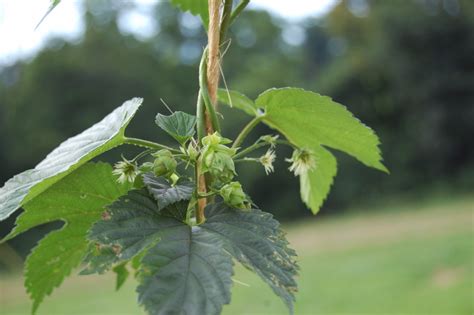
{"x":71,"y":154}
{"x":186,"y":272}
{"x":308,"y":119}
{"x":237,"y":100}
{"x":78,"y":200}
{"x":132,"y":223}
{"x":315,"y":184}
{"x":196,"y":7}
{"x":179,"y":125}
{"x":255,"y":239}
{"x":165,"y":193}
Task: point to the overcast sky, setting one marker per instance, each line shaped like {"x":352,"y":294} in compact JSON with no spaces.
{"x":18,"y":19}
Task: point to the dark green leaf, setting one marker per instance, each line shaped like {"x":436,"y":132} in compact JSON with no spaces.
{"x":130,"y":237}
{"x":179,"y":125}
{"x":237,"y":100}
{"x":196,"y":7}
{"x":186,"y":272}
{"x":255,"y":239}
{"x":78,"y":200}
{"x":63,"y":160}
{"x":166,"y":194}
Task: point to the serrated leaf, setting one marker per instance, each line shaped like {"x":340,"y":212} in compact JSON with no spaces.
{"x":130,"y":237}
{"x":186,"y":272}
{"x":255,"y":239}
{"x":196,"y":7}
{"x":308,"y":119}
{"x":122,"y":275}
{"x":166,"y":194}
{"x":78,"y":200}
{"x":237,"y":100}
{"x":315,"y":184}
{"x":179,"y":125}
{"x":71,"y":154}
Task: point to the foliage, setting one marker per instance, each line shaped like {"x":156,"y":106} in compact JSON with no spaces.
{"x":183,"y":251}
{"x":78,"y":200}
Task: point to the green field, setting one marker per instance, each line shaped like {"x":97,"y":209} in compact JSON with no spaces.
{"x":405,"y":260}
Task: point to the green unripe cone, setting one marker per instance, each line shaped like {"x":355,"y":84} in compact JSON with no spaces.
{"x":164,"y":164}
{"x":233,"y":195}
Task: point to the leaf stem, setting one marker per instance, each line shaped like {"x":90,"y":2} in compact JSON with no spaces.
{"x":246,"y":130}
{"x":148,"y":144}
{"x":257,"y":145}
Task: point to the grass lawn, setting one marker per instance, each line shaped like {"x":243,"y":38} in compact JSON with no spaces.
{"x":408,"y":260}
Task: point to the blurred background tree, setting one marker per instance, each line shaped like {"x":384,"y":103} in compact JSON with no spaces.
{"x":405,"y":68}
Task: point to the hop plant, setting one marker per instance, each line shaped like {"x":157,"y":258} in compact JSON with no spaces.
{"x":180,"y":213}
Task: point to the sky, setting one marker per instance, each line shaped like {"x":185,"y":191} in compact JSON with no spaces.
{"x":20,"y":39}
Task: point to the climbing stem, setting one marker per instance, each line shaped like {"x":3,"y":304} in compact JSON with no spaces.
{"x":204,"y":93}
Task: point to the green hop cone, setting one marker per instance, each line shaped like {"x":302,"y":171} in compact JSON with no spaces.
{"x":164,"y":164}
{"x":217,"y":159}
{"x":233,"y":195}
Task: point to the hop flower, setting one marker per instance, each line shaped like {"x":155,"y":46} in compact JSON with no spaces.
{"x":126,"y":171}
{"x":267,"y":161}
{"x":302,"y":161}
{"x":271,"y":140}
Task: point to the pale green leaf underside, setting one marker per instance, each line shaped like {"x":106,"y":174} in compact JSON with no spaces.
{"x":237,"y":100}
{"x":196,"y":7}
{"x":308,"y":119}
{"x":179,"y":125}
{"x":71,"y":154}
{"x":315,"y":185}
{"x":78,"y":200}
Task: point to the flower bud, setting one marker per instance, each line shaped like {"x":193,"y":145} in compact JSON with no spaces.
{"x":233,"y":195}
{"x":192,"y":152}
{"x":164,"y":164}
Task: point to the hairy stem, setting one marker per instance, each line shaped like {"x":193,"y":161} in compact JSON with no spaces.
{"x":244,"y":133}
